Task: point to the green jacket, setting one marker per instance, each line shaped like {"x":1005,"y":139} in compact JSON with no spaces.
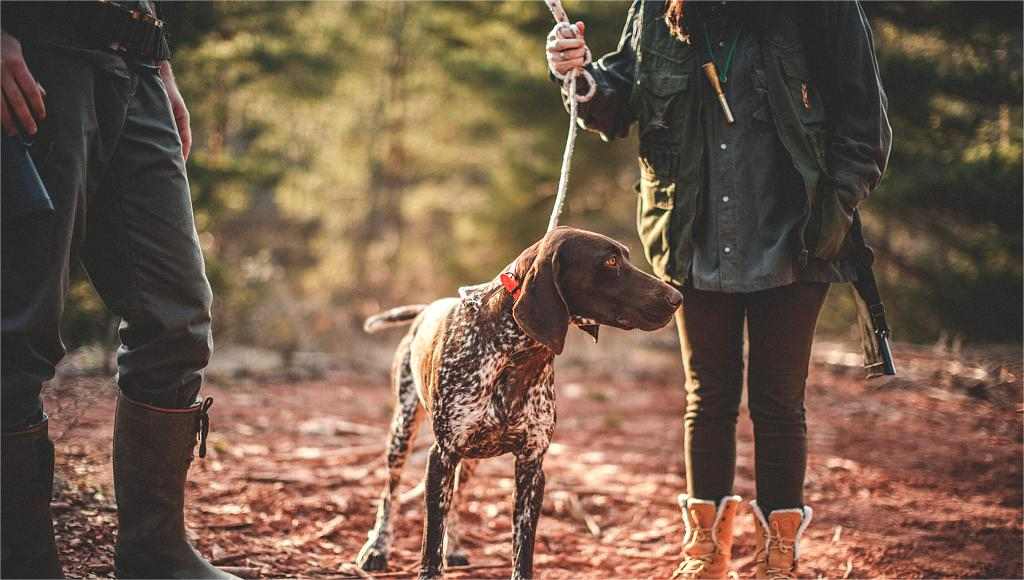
{"x":825,"y":94}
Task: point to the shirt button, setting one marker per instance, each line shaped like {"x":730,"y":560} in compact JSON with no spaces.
{"x":724,"y":146}
{"x":725,"y":198}
{"x":727,"y":249}
{"x":721,"y":43}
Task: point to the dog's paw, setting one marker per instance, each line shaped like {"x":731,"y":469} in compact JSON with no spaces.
{"x":371,"y":559}
{"x":457,"y":559}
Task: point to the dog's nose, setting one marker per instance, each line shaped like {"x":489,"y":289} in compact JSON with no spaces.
{"x":675,"y":299}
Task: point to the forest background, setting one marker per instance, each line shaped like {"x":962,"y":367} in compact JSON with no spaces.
{"x":349,"y":157}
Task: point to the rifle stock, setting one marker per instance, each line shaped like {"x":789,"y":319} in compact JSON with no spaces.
{"x":875,"y":333}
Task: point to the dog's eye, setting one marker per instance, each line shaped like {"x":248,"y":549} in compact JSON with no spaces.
{"x":611,"y":262}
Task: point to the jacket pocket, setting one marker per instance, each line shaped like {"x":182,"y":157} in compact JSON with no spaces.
{"x":803,"y":94}
{"x":656,"y":207}
{"x":666,"y":84}
{"x":658,"y":165}
{"x":806,"y":101}
{"x":662,"y":92}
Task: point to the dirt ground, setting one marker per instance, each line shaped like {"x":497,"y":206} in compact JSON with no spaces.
{"x":913,"y":477}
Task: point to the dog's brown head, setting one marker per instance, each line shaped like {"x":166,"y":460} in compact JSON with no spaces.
{"x":575,"y":273}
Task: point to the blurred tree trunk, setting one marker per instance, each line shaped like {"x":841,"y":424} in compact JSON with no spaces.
{"x":378,"y":243}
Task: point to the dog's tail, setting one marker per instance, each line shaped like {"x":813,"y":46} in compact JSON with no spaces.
{"x":400,"y":316}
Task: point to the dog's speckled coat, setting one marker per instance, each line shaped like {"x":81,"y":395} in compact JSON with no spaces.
{"x":482,"y":366}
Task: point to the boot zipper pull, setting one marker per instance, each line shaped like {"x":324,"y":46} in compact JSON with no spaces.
{"x":204,"y":424}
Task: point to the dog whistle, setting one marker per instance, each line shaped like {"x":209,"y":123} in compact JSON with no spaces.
{"x":711,"y":72}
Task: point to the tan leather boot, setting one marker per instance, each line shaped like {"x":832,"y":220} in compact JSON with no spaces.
{"x":707,"y":546}
{"x":778,"y":541}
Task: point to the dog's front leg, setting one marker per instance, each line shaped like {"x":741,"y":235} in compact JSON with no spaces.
{"x":440,"y":485}
{"x":529,"y":497}
{"x":455,"y":553}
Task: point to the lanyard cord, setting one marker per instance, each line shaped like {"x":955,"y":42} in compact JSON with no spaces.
{"x":723,"y":72}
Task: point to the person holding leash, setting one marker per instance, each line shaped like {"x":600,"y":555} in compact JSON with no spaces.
{"x":89,"y":88}
{"x":762,"y":127}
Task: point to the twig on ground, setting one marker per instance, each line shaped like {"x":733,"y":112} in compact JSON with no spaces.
{"x":413,"y":493}
{"x":228,"y":558}
{"x":243,"y":571}
{"x":228,"y":525}
{"x":327,"y":529}
{"x":576,"y":510}
{"x":656,"y":534}
{"x":275,"y":477}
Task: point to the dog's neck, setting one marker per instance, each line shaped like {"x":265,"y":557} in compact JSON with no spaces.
{"x":498,"y":306}
{"x":494,"y":305}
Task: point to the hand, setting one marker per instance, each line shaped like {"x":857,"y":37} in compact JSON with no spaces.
{"x":178,"y":108}
{"x":566,"y":49}
{"x":23,"y":97}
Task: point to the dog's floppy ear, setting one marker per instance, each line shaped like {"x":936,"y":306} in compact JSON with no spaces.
{"x":541,"y":310}
{"x":591,"y":329}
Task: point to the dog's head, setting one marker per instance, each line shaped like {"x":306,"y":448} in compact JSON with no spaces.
{"x":573,"y":274}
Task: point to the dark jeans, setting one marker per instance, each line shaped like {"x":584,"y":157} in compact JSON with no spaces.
{"x":110,"y":156}
{"x":780,"y":329}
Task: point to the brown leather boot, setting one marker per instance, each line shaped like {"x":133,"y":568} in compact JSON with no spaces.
{"x":29,"y":550}
{"x":778,"y":541}
{"x":707,"y":546}
{"x":152,"y":452}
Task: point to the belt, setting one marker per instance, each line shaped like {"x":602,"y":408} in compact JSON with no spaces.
{"x":101,"y":24}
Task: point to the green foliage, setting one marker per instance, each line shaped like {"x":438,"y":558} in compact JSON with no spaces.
{"x":947,"y":218}
{"x":353,"y":156}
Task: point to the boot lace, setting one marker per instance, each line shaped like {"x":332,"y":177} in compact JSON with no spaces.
{"x":777,"y":543}
{"x":204,"y":425}
{"x":692,"y":566}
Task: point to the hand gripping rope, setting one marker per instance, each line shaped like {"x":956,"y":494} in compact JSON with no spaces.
{"x":569,"y":84}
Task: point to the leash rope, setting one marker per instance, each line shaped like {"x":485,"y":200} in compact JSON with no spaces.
{"x":569,"y":83}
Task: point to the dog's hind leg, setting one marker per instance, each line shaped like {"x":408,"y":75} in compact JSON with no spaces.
{"x":373,"y":557}
{"x":441,"y":468}
{"x":456,"y":553}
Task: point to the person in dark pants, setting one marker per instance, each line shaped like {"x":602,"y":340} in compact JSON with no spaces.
{"x":90,"y":85}
{"x":746,"y":206}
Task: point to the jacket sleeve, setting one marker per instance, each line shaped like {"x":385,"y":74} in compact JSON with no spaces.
{"x":608,"y":113}
{"x":861,"y":136}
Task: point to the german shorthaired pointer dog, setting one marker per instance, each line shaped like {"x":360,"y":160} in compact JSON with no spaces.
{"x":481,"y":366}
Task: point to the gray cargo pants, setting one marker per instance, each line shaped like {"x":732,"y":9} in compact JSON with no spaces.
{"x":110,"y":156}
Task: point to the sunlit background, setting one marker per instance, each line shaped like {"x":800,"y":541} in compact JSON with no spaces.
{"x":355,"y":156}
